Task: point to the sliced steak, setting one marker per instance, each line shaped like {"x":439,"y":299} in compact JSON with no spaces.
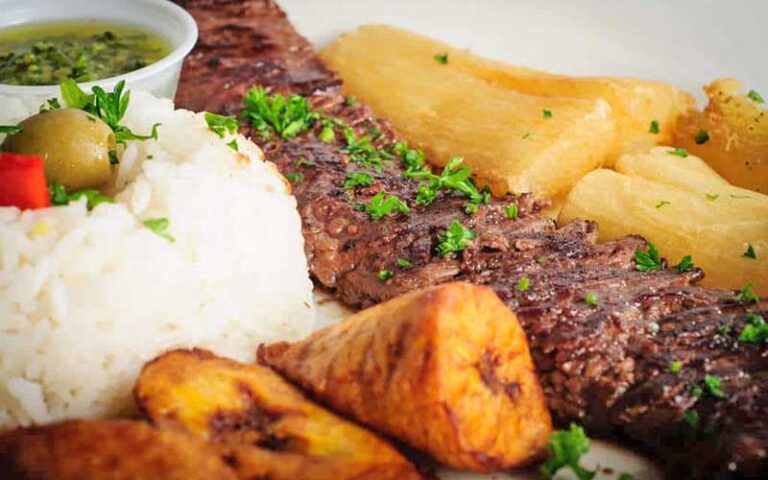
{"x":630,"y":365}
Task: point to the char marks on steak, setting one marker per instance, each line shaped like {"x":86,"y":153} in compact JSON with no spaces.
{"x":606,"y":366}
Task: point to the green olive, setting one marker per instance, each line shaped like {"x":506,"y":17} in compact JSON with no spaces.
{"x":74,"y":144}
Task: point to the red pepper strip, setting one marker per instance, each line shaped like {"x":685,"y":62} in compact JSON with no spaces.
{"x":22,"y":182}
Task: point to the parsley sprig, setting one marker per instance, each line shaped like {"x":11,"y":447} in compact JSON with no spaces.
{"x":456,"y":238}
{"x":746,"y":295}
{"x":358,"y":179}
{"x":285,"y":116}
{"x":566,"y":448}
{"x":648,"y":261}
{"x":10,"y":129}
{"x":382,"y":205}
{"x":60,"y":197}
{"x":160,"y":227}
{"x":362,"y":152}
{"x":453,"y":177}
{"x":755,"y":330}
{"x":110,"y":107}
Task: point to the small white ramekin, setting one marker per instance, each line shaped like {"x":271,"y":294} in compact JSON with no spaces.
{"x":159,"y":16}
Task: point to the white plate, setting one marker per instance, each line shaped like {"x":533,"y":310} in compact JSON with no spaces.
{"x":685,"y":42}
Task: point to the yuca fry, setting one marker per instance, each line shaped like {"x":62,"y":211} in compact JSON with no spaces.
{"x":716,"y":229}
{"x":731,"y":135}
{"x":513,"y":141}
{"x":264,"y":426}
{"x":101,"y":450}
{"x":446,"y":370}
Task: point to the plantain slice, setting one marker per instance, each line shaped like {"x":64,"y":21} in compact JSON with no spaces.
{"x":264,"y":427}
{"x":446,"y":370}
{"x":102,"y":450}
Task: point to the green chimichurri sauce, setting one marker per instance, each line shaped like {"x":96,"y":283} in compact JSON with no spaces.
{"x":49,"y":53}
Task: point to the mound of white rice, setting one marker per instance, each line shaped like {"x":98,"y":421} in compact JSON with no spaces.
{"x":86,"y":298}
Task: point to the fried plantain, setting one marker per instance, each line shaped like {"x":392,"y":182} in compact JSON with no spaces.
{"x":264,"y":427}
{"x":446,"y":370}
{"x":108,"y":450}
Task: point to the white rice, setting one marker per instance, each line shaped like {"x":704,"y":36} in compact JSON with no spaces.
{"x":86,"y":298}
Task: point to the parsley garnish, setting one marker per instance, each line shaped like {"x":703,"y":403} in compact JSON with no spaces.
{"x":542,"y":259}
{"x":591,"y":299}
{"x":527,"y":135}
{"x":60,"y":197}
{"x":511,"y":211}
{"x":755,"y":97}
{"x":452,"y":178}
{"x":362,"y":152}
{"x":221,"y":125}
{"x":675,"y":367}
{"x":382,"y":204}
{"x":565,"y":450}
{"x":663,"y":203}
{"x":358,"y":179}
{"x":160,"y":227}
{"x":385,"y":275}
{"x":712,"y":197}
{"x":350,"y":100}
{"x":546,"y":113}
{"x":50,"y":104}
{"x":285,"y":116}
{"x":746,"y":295}
{"x":413,"y":159}
{"x":733,"y":195}
{"x":327,"y":134}
{"x":755,"y":330}
{"x":10,"y":129}
{"x":403,"y":263}
{"x":471,"y":208}
{"x":654,"y":128}
{"x":110,"y":107}
{"x":233,"y":145}
{"x":750,"y":252}
{"x":713,"y":386}
{"x":691,"y":421}
{"x":685,"y":265}
{"x":679,"y":152}
{"x":523,"y":284}
{"x":702,"y":137}
{"x":455,"y":239}
{"x":442,"y":58}
{"x":648,"y":261}
{"x":294,"y":177}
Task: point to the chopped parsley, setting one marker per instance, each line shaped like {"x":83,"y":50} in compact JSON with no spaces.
{"x":385,"y":275}
{"x":750,"y":252}
{"x":50,"y":104}
{"x":456,"y":238}
{"x":221,"y":125}
{"x":663,"y":203}
{"x":471,"y":208}
{"x":713,"y":386}
{"x":702,"y":137}
{"x":591,"y":299}
{"x":523,"y":284}
{"x":755,"y":96}
{"x":678,"y":152}
{"x":541,"y":260}
{"x":685,"y":265}
{"x":362,"y":152}
{"x":546,"y":113}
{"x":648,"y":261}
{"x":755,"y":330}
{"x":160,"y":227}
{"x":110,"y":107}
{"x":566,"y":448}
{"x":675,"y":367}
{"x":691,"y":421}
{"x":327,"y":134}
{"x":60,"y":197}
{"x":712,"y":197}
{"x":527,"y":135}
{"x":414,"y":159}
{"x":10,"y":129}
{"x":358,"y":179}
{"x":451,"y":178}
{"x":285,"y":116}
{"x":654,"y":128}
{"x":511,"y":211}
{"x":350,"y":100}
{"x":294,"y":177}
{"x":442,"y":58}
{"x":746,"y":295}
{"x":403,"y":263}
{"x":233,"y":145}
{"x":382,"y":205}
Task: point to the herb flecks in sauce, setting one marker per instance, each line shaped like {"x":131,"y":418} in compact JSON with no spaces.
{"x":49,"y":53}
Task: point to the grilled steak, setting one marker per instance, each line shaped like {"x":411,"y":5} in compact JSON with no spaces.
{"x":640,"y":361}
